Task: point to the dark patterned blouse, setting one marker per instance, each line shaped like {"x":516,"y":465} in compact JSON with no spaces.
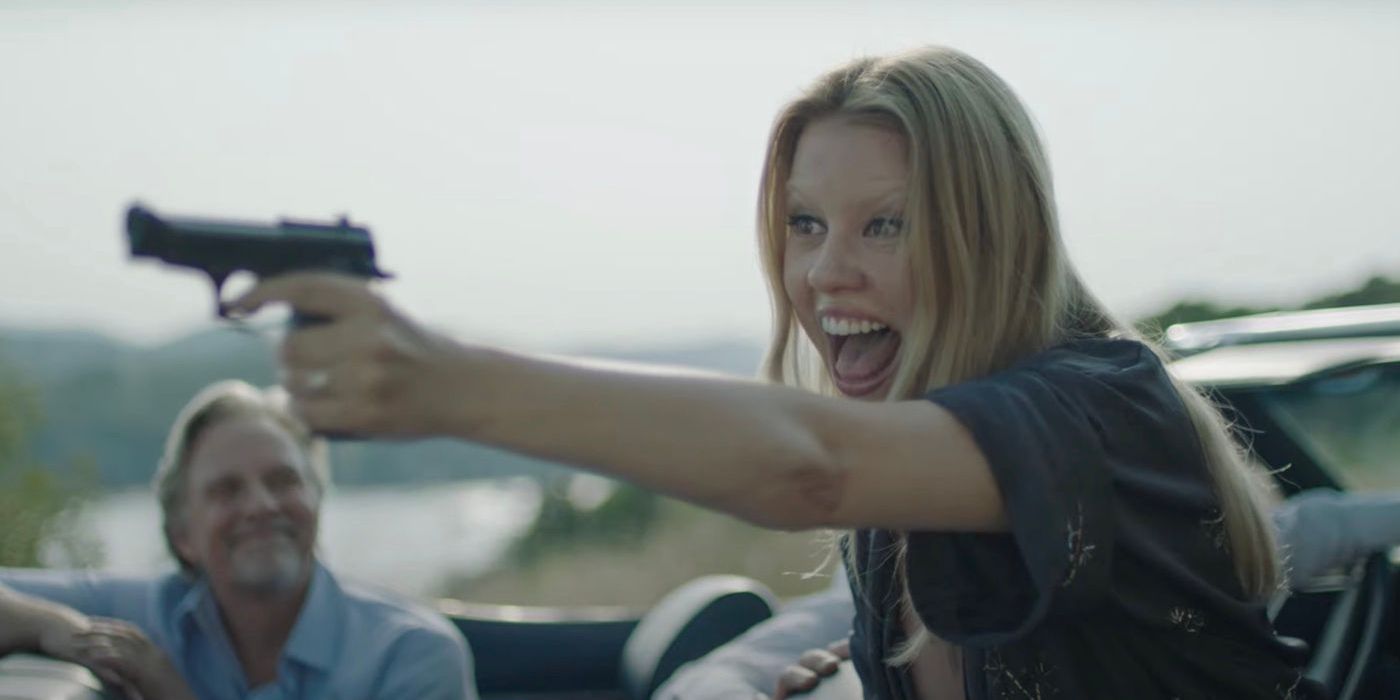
{"x":1115,"y":580}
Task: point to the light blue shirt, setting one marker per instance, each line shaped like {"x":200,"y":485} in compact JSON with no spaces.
{"x":348,"y":643}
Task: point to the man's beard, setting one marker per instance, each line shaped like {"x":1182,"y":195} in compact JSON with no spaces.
{"x":269,"y":568}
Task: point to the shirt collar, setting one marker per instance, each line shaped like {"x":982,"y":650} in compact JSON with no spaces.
{"x":315,"y":639}
{"x":196,"y":607}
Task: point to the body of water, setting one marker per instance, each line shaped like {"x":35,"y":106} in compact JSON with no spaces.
{"x":405,"y":538}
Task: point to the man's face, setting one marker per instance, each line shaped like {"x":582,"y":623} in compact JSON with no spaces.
{"x":249,"y":516}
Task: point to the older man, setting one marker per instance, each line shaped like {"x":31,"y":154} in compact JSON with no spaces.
{"x":251,"y":613}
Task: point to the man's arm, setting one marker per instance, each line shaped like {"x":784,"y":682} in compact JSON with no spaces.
{"x":1321,"y":530}
{"x":41,"y":608}
{"x":89,"y":592}
{"x":30,"y":623}
{"x":753,"y":662}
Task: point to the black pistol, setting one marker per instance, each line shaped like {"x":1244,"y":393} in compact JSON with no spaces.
{"x":221,"y":247}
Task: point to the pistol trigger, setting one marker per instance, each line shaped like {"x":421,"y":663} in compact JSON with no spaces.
{"x":218,"y":279}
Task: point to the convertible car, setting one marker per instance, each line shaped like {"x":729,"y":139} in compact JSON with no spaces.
{"x":1316,"y":396}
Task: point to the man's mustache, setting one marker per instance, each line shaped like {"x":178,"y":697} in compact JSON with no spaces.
{"x":277,"y":526}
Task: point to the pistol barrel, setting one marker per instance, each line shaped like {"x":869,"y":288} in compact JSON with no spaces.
{"x":221,"y":247}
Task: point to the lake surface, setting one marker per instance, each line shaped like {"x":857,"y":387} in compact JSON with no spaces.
{"x":406,"y":538}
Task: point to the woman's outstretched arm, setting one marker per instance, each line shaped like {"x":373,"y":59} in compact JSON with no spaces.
{"x":773,"y":455}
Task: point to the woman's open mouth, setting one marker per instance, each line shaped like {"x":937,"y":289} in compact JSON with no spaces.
{"x":863,"y":355}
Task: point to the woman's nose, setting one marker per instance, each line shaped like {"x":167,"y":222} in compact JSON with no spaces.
{"x":836,"y":268}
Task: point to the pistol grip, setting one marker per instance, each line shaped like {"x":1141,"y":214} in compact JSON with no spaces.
{"x":298,"y":321}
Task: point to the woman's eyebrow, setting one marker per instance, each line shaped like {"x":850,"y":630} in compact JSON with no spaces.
{"x":794,"y":198}
{"x":889,"y":200}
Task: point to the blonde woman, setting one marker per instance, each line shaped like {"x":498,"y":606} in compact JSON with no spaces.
{"x":1037,"y":509}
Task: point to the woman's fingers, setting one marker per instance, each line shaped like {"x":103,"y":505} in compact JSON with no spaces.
{"x":367,"y":370}
{"x":324,"y":294}
{"x":795,"y":679}
{"x":811,"y":668}
{"x":334,"y":370}
{"x":820,"y":661}
{"x":329,"y":414}
{"x":323,"y":344}
{"x":354,"y":359}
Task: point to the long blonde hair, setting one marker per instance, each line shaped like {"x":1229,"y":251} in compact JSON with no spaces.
{"x":992,"y":281}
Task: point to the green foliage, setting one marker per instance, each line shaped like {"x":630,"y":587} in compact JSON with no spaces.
{"x":1190,"y":312}
{"x":619,"y":521}
{"x":682,"y":543}
{"x":37,"y":504}
{"x":1377,"y":290}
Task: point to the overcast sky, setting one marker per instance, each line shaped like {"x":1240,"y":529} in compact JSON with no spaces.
{"x":564,"y":175}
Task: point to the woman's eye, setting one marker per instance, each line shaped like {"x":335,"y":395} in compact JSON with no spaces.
{"x":804,"y":225}
{"x":885,"y":227}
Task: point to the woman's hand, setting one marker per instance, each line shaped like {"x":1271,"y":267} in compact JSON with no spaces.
{"x":366,"y":369}
{"x":811,"y":668}
{"x":122,"y":655}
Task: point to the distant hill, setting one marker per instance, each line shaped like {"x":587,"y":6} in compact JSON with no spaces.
{"x":49,"y":354}
{"x":108,"y":404}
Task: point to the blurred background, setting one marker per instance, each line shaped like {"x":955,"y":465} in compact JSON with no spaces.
{"x":580,"y":178}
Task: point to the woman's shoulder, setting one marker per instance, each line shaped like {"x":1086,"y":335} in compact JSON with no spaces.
{"x":1097,"y":356}
{"x":1113,"y":385}
{"x":1120,"y":366}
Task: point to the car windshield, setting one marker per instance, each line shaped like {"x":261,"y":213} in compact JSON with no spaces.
{"x":1350,"y":421}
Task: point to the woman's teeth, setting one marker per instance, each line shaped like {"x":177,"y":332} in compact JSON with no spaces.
{"x":842,"y":326}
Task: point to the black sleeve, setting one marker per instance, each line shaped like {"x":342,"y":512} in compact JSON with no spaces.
{"x":1059,"y":431}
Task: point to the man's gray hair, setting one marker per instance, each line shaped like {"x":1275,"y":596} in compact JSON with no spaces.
{"x":215,"y":403}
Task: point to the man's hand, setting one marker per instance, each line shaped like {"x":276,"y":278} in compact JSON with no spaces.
{"x":121,"y":654}
{"x":811,"y":668}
